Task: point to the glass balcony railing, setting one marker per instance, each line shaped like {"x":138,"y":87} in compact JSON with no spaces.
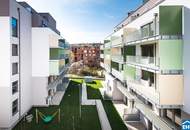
{"x":156,"y":120}
{"x":107,"y":45}
{"x":117,"y":41}
{"x":62,"y":56}
{"x":117,"y":58}
{"x":145,"y":89}
{"x":144,"y":60}
{"x":118,"y":74}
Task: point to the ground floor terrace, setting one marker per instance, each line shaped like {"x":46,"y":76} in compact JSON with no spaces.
{"x":73,"y":115}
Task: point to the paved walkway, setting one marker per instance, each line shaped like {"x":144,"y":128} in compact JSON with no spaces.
{"x":56,"y":100}
{"x":85,"y":101}
{"x":105,"y":124}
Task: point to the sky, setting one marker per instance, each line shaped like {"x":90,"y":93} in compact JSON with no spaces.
{"x":85,"y":21}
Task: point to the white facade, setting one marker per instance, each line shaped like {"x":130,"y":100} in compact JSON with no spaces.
{"x":40,"y":62}
{"x":7,"y":119}
{"x":31,"y":64}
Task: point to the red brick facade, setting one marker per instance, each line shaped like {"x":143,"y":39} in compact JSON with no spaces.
{"x":89,"y":54}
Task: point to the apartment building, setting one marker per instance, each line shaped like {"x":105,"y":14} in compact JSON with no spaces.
{"x":34,"y":58}
{"x":88,"y":53}
{"x":146,"y":64}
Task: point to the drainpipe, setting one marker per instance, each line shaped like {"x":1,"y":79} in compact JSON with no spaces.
{"x":18,"y":9}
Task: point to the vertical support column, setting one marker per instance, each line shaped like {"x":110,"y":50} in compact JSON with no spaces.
{"x":173,"y":115}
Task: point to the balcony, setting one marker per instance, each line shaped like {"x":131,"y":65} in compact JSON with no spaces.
{"x":117,"y":58}
{"x":143,"y":61}
{"x":156,"y":120}
{"x":117,"y":42}
{"x":165,"y":92}
{"x":125,"y":91}
{"x":118,"y":74}
{"x":107,"y":67}
{"x":143,"y":88}
{"x":56,"y":67}
{"x":107,"y":45}
{"x":101,"y":55}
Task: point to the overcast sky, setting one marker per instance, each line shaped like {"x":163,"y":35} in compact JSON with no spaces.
{"x":85,"y":20}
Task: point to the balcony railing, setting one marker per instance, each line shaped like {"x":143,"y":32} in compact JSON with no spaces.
{"x":156,"y":120}
{"x":136,"y":35}
{"x":143,"y":60}
{"x":117,"y":58}
{"x":145,"y":89}
{"x":107,"y":45}
{"x":107,"y":67}
{"x":62,"y":56}
{"x":117,"y":41}
{"x":118,"y":74}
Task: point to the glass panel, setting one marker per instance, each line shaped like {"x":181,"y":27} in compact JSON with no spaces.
{"x":14,"y":27}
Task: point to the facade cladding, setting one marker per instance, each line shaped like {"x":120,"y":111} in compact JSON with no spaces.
{"x":89,"y":54}
{"x":30,"y":59}
{"x":146,"y":64}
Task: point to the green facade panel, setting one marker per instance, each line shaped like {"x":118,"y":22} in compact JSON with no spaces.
{"x":129,"y":72}
{"x":115,"y":65}
{"x":171,"y":54}
{"x":129,"y":51}
{"x":54,"y":53}
{"x":170,"y":20}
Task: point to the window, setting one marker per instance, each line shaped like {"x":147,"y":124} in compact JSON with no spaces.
{"x":14,"y":87}
{"x":15,"y":107}
{"x":14,"y":68}
{"x":147,"y":30}
{"x":14,"y":50}
{"x":14,"y":24}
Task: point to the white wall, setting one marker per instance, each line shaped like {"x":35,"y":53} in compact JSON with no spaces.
{"x":39,"y":91}
{"x":40,"y":52}
{"x":26,"y":61}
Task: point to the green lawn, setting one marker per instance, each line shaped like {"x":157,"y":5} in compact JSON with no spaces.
{"x":70,"y":119}
{"x":113,"y":116}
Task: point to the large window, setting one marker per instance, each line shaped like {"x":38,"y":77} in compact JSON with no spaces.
{"x":14,"y":50}
{"x":15,"y":107}
{"x":147,"y":30}
{"x":14,"y":24}
{"x":14,"y":68}
{"x":14,"y":87}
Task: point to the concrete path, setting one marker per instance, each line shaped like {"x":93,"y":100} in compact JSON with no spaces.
{"x":105,"y":124}
{"x":85,"y":101}
{"x":56,"y":100}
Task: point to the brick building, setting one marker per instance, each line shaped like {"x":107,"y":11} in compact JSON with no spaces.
{"x":89,"y":54}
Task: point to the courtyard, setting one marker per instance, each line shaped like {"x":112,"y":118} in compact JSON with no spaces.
{"x":73,"y":115}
